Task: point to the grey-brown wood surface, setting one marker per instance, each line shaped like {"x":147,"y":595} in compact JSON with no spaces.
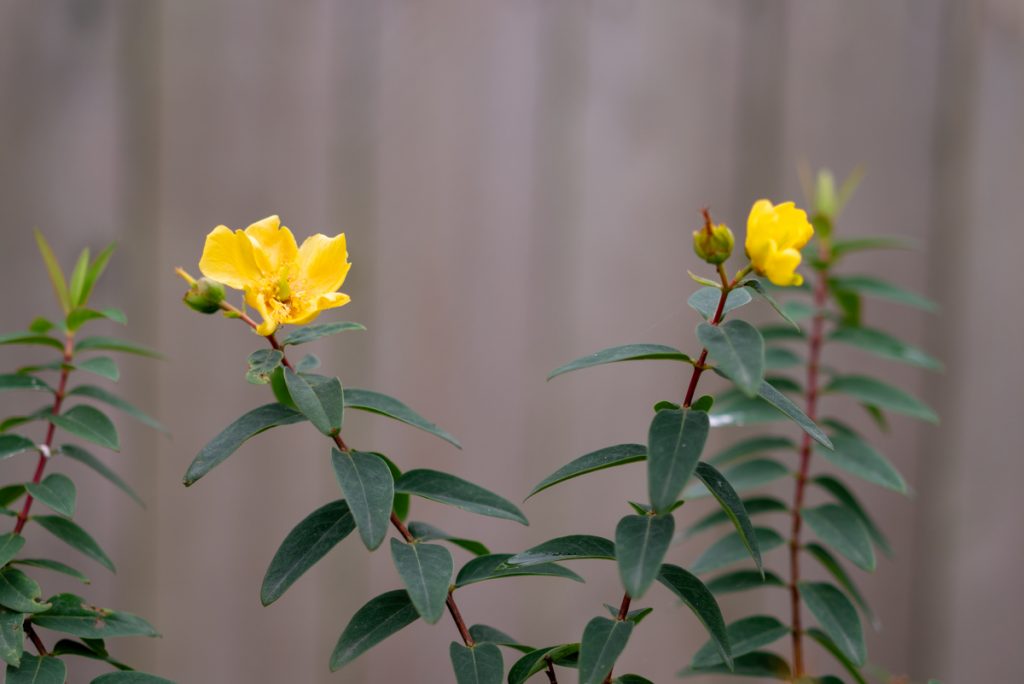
{"x":517,"y":181}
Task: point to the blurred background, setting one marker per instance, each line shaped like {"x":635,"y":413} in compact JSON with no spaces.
{"x":518,"y":181}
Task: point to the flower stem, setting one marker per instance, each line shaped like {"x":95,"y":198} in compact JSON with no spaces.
{"x":36,"y":641}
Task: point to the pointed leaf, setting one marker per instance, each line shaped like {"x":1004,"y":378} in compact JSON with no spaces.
{"x":31,"y":338}
{"x":873,"y":287}
{"x":454,"y":491}
{"x":880,"y":394}
{"x":60,"y":286}
{"x":56,"y":491}
{"x":424,"y":532}
{"x":705,"y":301}
{"x":634,"y":616}
{"x":53,"y":565}
{"x":94,"y":271}
{"x":730,"y":549}
{"x":495,"y":566}
{"x":884,"y":346}
{"x":620,"y":454}
{"x":747,"y":475}
{"x":837,"y":617}
{"x":742,"y":580}
{"x":831,"y":647}
{"x":76,"y":282}
{"x":536,"y":660}
{"x":323,"y":405}
{"x":479,"y":664}
{"x":753,"y":506}
{"x":10,"y":545}
{"x":19,"y":592}
{"x":77,"y":453}
{"x":130,"y":678}
{"x":845,"y":497}
{"x":103,"y":366}
{"x":793,"y":412}
{"x":737,"y":349}
{"x":603,"y":641}
{"x":758,"y":287}
{"x":73,"y":615}
{"x":16,"y":381}
{"x":426,"y":571}
{"x":38,"y":670}
{"x":374,"y":402}
{"x":80,"y":316}
{"x":745,"y":636}
{"x":733,"y":508}
{"x":71,"y":534}
{"x":626,"y":352}
{"x":369,"y":490}
{"x":88,"y":423}
{"x":674,"y":444}
{"x":100,"y":394}
{"x":756,"y":664}
{"x":701,"y":601}
{"x":641,"y":542}
{"x":100,"y":343}
{"x":381,"y":617}
{"x":834,"y":568}
{"x":15,"y":444}
{"x":493,"y":635}
{"x":308,"y":333}
{"x":572,"y":547}
{"x":857,"y":457}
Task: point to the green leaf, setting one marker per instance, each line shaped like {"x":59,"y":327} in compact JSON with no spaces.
{"x":262,"y":363}
{"x":80,"y":316}
{"x":374,"y":402}
{"x":741,"y":580}
{"x":797,"y":311}
{"x":745,"y":636}
{"x":760,"y":289}
{"x":843,"y":531}
{"x":641,"y":542}
{"x":366,"y":481}
{"x":38,"y":670}
{"x":100,"y":394}
{"x":19,"y":592}
{"x":572,"y":547}
{"x":76,"y":282}
{"x":10,"y":545}
{"x":832,"y":565}
{"x":634,"y":616}
{"x":426,"y":571}
{"x":857,"y":457}
{"x":737,"y":349}
{"x":56,"y":274}
{"x":832,"y":648}
{"x":837,"y":617}
{"x":100,"y":343}
{"x":632,"y":679}
{"x":872,"y":391}
{"x":15,"y":444}
{"x":885,"y":346}
{"x":746,"y":475}
{"x":493,"y":635}
{"x":704,"y":403}
{"x":753,"y":506}
{"x":103,"y":366}
{"x":879,"y":289}
{"x":31,"y":338}
{"x":307,"y":363}
{"x":73,"y":615}
{"x":701,"y":601}
{"x":780,"y":333}
{"x":705,"y":301}
{"x":16,"y":381}
{"x":94,"y":271}
{"x":779,"y":358}
{"x":424,"y":532}
{"x":674,"y":444}
{"x":56,"y":491}
{"x":626,"y":352}
{"x":536,"y":660}
{"x":93,"y":649}
{"x":305,"y":545}
{"x":495,"y":566}
{"x":841,"y":248}
{"x":308,"y":333}
{"x":130,"y":678}
{"x":53,"y":565}
{"x":793,"y":412}
{"x":732,"y":506}
{"x":454,"y":491}
{"x":71,"y":534}
{"x":10,"y":493}
{"x":730,"y":549}
{"x":620,"y":454}
{"x":322,"y":403}
{"x":381,"y":617}
{"x":89,"y":424}
{"x":12,"y":637}
{"x":478,"y":664}
{"x":603,"y":641}
{"x":77,"y":453}
{"x":844,"y":496}
{"x":236,"y":434}
{"x":756,"y":664}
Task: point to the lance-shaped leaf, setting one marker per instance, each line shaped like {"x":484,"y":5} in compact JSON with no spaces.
{"x":31,"y":338}
{"x":319,"y":398}
{"x":742,"y":580}
{"x":747,"y":475}
{"x":758,"y":287}
{"x":845,"y":497}
{"x":620,"y":454}
{"x":842,"y":247}
{"x":381,"y":617}
{"x":732,"y":506}
{"x":478,"y":664}
{"x":77,"y":453}
{"x":756,"y":664}
{"x":308,"y":333}
{"x":103,"y":366}
{"x":537,"y":660}
{"x":307,"y":543}
{"x":745,"y":636}
{"x":632,"y":679}
{"x":839,"y":528}
{"x":55,"y":566}
{"x":675,"y":441}
{"x":834,"y":568}
{"x":737,"y":349}
{"x":369,"y":490}
{"x":18,"y":381}
{"x":12,"y":637}
{"x":71,"y":534}
{"x":603,"y":641}
{"x":19,"y":592}
{"x":382,"y":404}
{"x":830,"y":646}
{"x":15,"y":444}
{"x":884,"y":346}
{"x":130,"y":678}
{"x":705,"y":301}
{"x":778,"y":358}
{"x":10,"y":544}
{"x":98,"y":343}
{"x":753,"y":506}
{"x":780,"y":401}
{"x":572,"y":547}
{"x":424,"y":532}
{"x":701,"y":601}
{"x":454,"y":491}
{"x":626,"y":352}
{"x":56,"y":491}
{"x":80,"y":316}
{"x":641,"y":542}
{"x":236,"y":434}
{"x":837,"y":617}
{"x":73,"y":615}
{"x":38,"y":670}
{"x":426,"y":571}
{"x":87,"y":423}
{"x":859,"y":458}
{"x":730,"y":549}
{"x":493,"y":635}
{"x":100,"y":394}
{"x":495,"y":566}
{"x":879,"y":289}
{"x":883,"y":395}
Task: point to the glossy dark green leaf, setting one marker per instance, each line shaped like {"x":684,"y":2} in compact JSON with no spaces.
{"x":675,"y":441}
{"x":15,"y":444}
{"x":883,"y":395}
{"x":32,"y":339}
{"x":12,"y":637}
{"x":10,"y":545}
{"x":730,"y":549}
{"x":745,"y":636}
{"x":493,"y":635}
{"x":834,"y":568}
{"x":753,"y":506}
{"x":478,"y":664}
{"x":308,"y":333}
{"x":842,"y":530}
{"x":737,"y":350}
{"x":55,"y":566}
{"x":74,"y":536}
{"x":495,"y":566}
{"x":845,"y":497}
{"x":305,"y":545}
{"x":744,"y":476}
{"x":760,"y":289}
{"x":701,"y":601}
{"x":704,"y":403}
{"x":74,"y":615}
{"x":837,"y":617}
{"x":56,"y":491}
{"x":381,"y":617}
{"x":454,"y":491}
{"x":837,"y":653}
{"x":99,"y":343}
{"x":262,"y":363}
{"x":626,"y":352}
{"x":77,"y":453}
{"x":603,"y":641}
{"x":756,"y":664}
{"x":424,"y":532}
{"x":859,"y":458}
{"x":369,"y":490}
{"x":620,"y":454}
{"x":426,"y":571}
{"x":375,"y":402}
{"x":641,"y":542}
{"x":884,"y":346}
{"x":130,"y":678}
{"x":236,"y":434}
{"x":103,"y":366}
{"x":732,"y":506}
{"x":400,"y":505}
{"x":94,"y":649}
{"x":780,"y":401}
{"x":100,"y":394}
{"x":11,"y":493}
{"x":38,"y":670}
{"x":537,"y":660}
{"x":742,"y":580}
{"x":572,"y":547}
{"x":17,"y":381}
{"x":319,"y":399}
{"x":705,"y":301}
{"x":19,"y":592}
{"x":879,"y":289}
{"x":89,"y":424}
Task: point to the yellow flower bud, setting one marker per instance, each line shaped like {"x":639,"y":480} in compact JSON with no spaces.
{"x":775,"y":236}
{"x":205,"y":296}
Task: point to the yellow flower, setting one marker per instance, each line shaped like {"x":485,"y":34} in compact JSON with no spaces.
{"x":285,"y":283}
{"x":775,"y":235}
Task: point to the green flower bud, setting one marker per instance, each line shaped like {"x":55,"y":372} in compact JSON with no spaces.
{"x":205,"y":296}
{"x":713,"y":244}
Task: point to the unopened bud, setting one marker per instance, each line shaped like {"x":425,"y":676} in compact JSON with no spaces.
{"x":713,"y":244}
{"x":205,"y":296}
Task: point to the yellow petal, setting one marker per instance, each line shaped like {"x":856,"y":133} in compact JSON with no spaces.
{"x":323,"y":264}
{"x":331,"y":300}
{"x":780,"y":267}
{"x":269,"y":323}
{"x":274,"y":245}
{"x":228,"y":258}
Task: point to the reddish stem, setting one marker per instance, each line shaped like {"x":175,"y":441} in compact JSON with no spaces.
{"x":46,"y":451}
{"x":36,"y":641}
{"x":813,"y":365}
